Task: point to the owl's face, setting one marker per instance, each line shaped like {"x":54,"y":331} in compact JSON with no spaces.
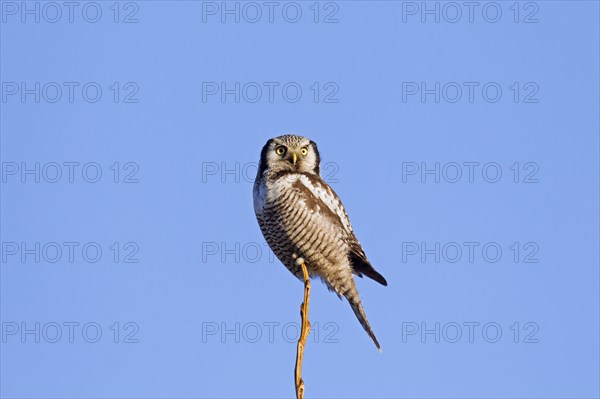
{"x":290,"y":153}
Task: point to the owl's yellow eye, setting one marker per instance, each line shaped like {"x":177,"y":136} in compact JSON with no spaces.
{"x":280,"y":150}
{"x":304,"y":151}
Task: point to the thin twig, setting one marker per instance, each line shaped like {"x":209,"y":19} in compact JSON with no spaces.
{"x":303,"y":335}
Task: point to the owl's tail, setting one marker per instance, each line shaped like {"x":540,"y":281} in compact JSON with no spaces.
{"x":362,"y":318}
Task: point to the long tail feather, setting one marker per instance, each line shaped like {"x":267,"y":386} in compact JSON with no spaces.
{"x":362,"y":318}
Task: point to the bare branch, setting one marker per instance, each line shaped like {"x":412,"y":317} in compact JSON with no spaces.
{"x":303,"y":335}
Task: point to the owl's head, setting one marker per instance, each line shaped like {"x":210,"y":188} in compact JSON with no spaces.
{"x":290,"y":153}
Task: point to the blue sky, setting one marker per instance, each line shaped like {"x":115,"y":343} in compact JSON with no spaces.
{"x":462,"y":141}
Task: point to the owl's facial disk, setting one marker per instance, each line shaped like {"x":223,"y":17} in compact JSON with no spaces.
{"x":292,"y":153}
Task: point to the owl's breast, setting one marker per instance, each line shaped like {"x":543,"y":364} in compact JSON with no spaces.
{"x":296,"y":223}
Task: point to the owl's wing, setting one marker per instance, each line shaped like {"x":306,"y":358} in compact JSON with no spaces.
{"x":360,"y":263}
{"x":320,"y":197}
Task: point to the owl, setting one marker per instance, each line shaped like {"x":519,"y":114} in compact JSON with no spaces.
{"x":304,"y":221}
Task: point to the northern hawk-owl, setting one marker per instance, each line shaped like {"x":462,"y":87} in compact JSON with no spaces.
{"x":304,"y":221}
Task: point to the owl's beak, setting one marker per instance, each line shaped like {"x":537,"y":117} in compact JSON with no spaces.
{"x":294,"y":158}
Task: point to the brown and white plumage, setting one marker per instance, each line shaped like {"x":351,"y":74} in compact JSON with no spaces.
{"x":303,"y":220}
